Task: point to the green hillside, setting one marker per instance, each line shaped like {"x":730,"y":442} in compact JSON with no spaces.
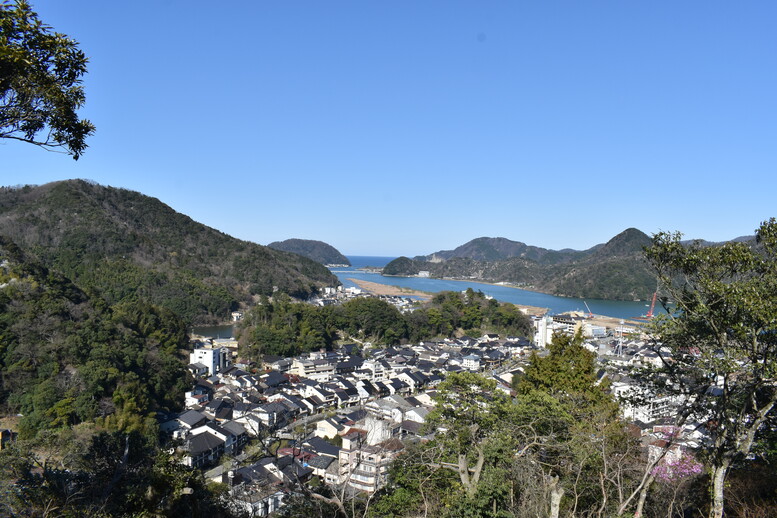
{"x":614,"y":270}
{"x":67,"y":357}
{"x":130,"y":247}
{"x":317,"y":251}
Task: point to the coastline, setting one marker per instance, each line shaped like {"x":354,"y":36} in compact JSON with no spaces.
{"x":377,"y":288}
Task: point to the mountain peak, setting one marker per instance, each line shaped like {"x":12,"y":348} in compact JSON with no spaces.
{"x":629,"y":241}
{"x":127,"y":245}
{"x":318,"y":251}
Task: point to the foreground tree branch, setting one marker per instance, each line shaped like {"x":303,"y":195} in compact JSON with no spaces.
{"x":40,"y":83}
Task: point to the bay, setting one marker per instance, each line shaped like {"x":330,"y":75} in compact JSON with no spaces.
{"x":220,"y":331}
{"x":555,"y":305}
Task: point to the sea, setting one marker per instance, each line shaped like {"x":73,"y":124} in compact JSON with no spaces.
{"x":555,"y":305}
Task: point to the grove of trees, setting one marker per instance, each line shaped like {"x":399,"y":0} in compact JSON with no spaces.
{"x":719,"y":345}
{"x":286,"y":328}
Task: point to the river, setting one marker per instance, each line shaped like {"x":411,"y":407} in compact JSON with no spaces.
{"x":610,"y":308}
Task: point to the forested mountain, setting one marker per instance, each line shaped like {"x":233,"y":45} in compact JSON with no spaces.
{"x":614,"y":270}
{"x":130,"y":247}
{"x":68,"y":357}
{"x":500,"y":248}
{"x":85,"y":380}
{"x":318,"y":251}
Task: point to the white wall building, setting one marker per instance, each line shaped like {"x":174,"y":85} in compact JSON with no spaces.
{"x":215,"y":359}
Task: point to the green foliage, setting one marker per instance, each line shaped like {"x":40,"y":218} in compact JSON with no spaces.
{"x":450,"y":312}
{"x":317,"y":251}
{"x":567,"y":373}
{"x":284,"y":328}
{"x":493,"y":455}
{"x":722,"y":340}
{"x":372,"y":317}
{"x":128,"y":247}
{"x":68,"y":358}
{"x":616,"y":270}
{"x":40,"y":82}
{"x":402,"y":266}
{"x":115,"y":475}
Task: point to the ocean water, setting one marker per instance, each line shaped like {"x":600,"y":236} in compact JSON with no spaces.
{"x":610,"y":308}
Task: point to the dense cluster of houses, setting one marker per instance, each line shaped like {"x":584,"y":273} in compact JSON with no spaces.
{"x":343,"y":416}
{"x":346,"y":414}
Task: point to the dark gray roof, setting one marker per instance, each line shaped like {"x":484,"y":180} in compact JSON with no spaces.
{"x":322,"y":447}
{"x":192,"y":418}
{"x":234,"y":428}
{"x":356,"y":415}
{"x":320,"y":462}
{"x":274,"y":378}
{"x":204,"y":442}
{"x":411,"y":427}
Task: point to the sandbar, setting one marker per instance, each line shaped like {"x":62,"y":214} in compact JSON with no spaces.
{"x":394,"y":291}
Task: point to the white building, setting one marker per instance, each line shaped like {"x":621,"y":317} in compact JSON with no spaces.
{"x":215,"y":359}
{"x":471,"y":363}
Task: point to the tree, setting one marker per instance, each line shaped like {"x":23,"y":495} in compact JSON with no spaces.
{"x":588,"y":460}
{"x":719,"y":342}
{"x":40,"y":83}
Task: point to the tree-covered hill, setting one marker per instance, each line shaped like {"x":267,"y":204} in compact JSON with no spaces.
{"x":67,"y":357}
{"x":404,"y":266}
{"x":86,"y":381}
{"x":613,"y":270}
{"x":318,"y":251}
{"x":500,"y":248}
{"x":130,"y":247}
{"x":283,"y":328}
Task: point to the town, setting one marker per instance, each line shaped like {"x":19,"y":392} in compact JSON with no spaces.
{"x":267,"y":429}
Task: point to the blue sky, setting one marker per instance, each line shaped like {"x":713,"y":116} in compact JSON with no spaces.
{"x":403,"y":128}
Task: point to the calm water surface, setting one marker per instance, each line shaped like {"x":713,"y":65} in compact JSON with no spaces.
{"x":555,"y":304}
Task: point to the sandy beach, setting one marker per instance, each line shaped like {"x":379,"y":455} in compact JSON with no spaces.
{"x":385,"y":289}
{"x":377,"y":288}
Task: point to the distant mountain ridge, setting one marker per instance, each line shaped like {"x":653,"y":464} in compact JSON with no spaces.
{"x":128,"y":246}
{"x":613,"y":270}
{"x":500,"y":248}
{"x":318,"y":251}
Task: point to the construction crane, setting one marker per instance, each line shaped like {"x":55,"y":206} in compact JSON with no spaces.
{"x":652,"y":306}
{"x":649,"y":314}
{"x":590,"y":314}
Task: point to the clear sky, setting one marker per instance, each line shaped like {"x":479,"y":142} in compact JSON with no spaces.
{"x":407,"y":127}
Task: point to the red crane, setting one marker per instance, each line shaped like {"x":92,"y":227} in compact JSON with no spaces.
{"x":652,"y":306}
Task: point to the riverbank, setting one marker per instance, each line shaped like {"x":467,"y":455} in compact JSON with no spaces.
{"x":377,"y":288}
{"x":392,"y":291}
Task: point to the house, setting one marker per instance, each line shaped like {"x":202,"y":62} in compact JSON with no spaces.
{"x":230,"y":440}
{"x":417,"y":414}
{"x":390,"y":407}
{"x":216,"y":359}
{"x":319,"y":370}
{"x":271,"y":414}
{"x":258,"y":489}
{"x":202,"y":450}
{"x":273,"y":379}
{"x":471,"y":363}
{"x":364,"y":467}
{"x":191,"y":419}
{"x":198,"y":369}
{"x":239,"y":432}
{"x":252,"y":423}
{"x":329,"y":428}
